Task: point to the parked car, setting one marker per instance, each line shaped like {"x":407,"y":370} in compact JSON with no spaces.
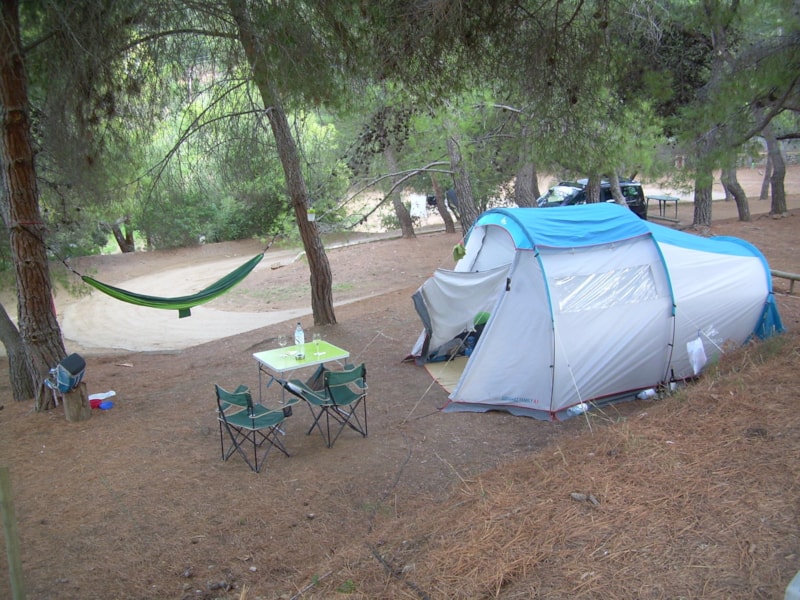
{"x":569,"y":193}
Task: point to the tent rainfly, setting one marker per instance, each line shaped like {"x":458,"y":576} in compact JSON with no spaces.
{"x":587,"y":305}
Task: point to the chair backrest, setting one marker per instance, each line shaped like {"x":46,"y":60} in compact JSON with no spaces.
{"x":68,"y":373}
{"x":241,"y":397}
{"x":343,"y":387}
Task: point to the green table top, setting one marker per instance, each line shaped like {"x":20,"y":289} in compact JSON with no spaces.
{"x":281,"y":360}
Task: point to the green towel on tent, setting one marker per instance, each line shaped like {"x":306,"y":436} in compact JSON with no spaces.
{"x":183,"y":304}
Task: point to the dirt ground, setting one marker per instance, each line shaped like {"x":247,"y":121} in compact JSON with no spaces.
{"x":694,"y":496}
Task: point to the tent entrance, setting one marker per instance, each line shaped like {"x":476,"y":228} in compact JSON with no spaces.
{"x":448,"y":304}
{"x":447,"y":373}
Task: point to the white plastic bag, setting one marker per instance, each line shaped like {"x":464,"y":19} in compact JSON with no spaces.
{"x":697,"y":355}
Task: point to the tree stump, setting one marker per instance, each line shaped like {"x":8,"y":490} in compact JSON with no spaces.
{"x":76,"y":404}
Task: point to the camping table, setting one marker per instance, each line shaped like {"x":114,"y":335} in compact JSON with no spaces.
{"x":280,"y":361}
{"x":662,"y":206}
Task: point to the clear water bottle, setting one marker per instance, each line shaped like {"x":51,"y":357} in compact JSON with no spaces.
{"x":578,"y":409}
{"x":299,"y":340}
{"x":647,"y":394}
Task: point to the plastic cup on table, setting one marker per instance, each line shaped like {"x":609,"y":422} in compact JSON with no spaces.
{"x":317,"y":340}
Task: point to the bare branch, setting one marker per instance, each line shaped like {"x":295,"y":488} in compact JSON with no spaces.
{"x":174,"y":32}
{"x":406,"y":175}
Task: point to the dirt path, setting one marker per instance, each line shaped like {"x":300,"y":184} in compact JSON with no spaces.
{"x":98,"y":322}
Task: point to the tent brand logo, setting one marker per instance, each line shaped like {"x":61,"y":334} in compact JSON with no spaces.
{"x":516,"y":400}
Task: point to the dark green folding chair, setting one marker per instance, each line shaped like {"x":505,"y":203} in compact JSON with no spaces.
{"x":341,"y":401}
{"x":245,"y":424}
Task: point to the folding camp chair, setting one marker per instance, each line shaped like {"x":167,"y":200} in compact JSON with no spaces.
{"x":248,"y":424}
{"x":342,"y":401}
{"x":65,"y":376}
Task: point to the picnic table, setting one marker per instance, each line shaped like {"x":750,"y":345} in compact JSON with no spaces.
{"x":663,"y":200}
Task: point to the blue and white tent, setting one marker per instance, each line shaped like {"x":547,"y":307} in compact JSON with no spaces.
{"x":588,"y":304}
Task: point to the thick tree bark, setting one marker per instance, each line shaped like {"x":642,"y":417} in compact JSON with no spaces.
{"x":321,"y":278}
{"x":124,"y":240}
{"x":319,"y":266}
{"x":765,"y":183}
{"x":702,"y":201}
{"x":449,"y":226}
{"x":728,"y":194}
{"x":38,"y":326}
{"x":463,"y":188}
{"x":21,"y":379}
{"x":778,"y":177}
{"x":400,"y":210}
{"x":526,"y":185}
{"x":593,"y":189}
{"x":616,"y":191}
{"x":732,"y":187}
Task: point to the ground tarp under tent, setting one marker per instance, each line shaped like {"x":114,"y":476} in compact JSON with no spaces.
{"x":587,"y":304}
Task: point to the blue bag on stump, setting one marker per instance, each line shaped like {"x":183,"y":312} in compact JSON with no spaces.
{"x":68,"y":373}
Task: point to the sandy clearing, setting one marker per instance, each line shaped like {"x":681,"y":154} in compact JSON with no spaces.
{"x":99,"y":322}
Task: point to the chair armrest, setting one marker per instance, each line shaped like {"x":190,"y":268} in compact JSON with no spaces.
{"x":302,"y":391}
{"x":284,"y":408}
{"x":265,"y":415}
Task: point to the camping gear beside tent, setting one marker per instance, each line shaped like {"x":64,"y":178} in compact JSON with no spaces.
{"x":589,"y":304}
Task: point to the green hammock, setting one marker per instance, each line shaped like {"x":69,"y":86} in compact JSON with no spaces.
{"x":183,"y":304}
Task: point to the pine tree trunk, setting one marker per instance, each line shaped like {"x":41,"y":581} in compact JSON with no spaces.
{"x":321,"y":277}
{"x":466,"y":203}
{"x":124,"y":240}
{"x":449,"y":226}
{"x":765,"y":183}
{"x":400,"y":210}
{"x":732,"y":187}
{"x":702,"y":202}
{"x":526,"y":185}
{"x":19,"y":375}
{"x":616,"y":191}
{"x":593,"y":189}
{"x":778,"y":177}
{"x":38,"y":326}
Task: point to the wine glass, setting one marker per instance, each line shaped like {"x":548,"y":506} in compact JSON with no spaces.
{"x":317,"y":340}
{"x":282,"y":341}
